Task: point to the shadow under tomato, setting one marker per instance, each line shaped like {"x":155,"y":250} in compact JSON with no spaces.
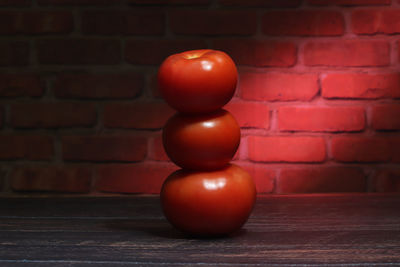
{"x":161,"y":229}
{"x":142,"y":228}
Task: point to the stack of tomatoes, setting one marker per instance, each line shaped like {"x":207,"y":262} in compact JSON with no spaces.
{"x":208,"y":196}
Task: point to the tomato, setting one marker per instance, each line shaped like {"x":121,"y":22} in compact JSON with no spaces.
{"x":197,"y":81}
{"x":201,"y":142}
{"x":208,"y":202}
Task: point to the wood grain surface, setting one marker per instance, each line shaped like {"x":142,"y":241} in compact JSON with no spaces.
{"x":299,"y":230}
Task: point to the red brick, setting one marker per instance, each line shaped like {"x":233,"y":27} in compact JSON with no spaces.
{"x":1,"y":116}
{"x":395,"y":146}
{"x":139,"y":115}
{"x":250,"y":115}
{"x":78,"y":2}
{"x":98,"y":86}
{"x":47,"y":22}
{"x":360,"y":149}
{"x":15,"y":2}
{"x":14,"y":53}
{"x":278,"y":86}
{"x":259,"y":53}
{"x":21,"y":84}
{"x":361,"y":85}
{"x":263,"y":178}
{"x":133,"y":178}
{"x":286,"y":149}
{"x":79,"y":51}
{"x":30,"y":147}
{"x":169,"y":2}
{"x":154,"y":89}
{"x":386,"y":181}
{"x":52,"y":114}
{"x":261,"y":3}
{"x":320,"y":180}
{"x":51,"y":178}
{"x":3,"y":173}
{"x":9,"y":21}
{"x":158,"y":152}
{"x":35,"y":22}
{"x":153,"y":52}
{"x":123,"y":22}
{"x":349,"y":2}
{"x":213,"y":22}
{"x":303,"y":23}
{"x":372,"y":21}
{"x":386,"y":117}
{"x":321,"y":119}
{"x":104,"y":148}
{"x":349,"y":53}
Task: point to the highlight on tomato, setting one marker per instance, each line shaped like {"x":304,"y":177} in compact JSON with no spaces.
{"x":197,"y":81}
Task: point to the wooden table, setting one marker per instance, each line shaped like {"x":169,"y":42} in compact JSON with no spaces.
{"x":336,"y":230}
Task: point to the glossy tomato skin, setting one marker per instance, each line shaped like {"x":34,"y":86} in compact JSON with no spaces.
{"x":208,"y":203}
{"x":197,"y":81}
{"x":201,"y":142}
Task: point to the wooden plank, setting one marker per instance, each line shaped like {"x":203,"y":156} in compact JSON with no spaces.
{"x":136,"y":264}
{"x":316,"y":230}
{"x":104,"y":264}
{"x":109,"y":224}
{"x":190,"y":255}
{"x":168,"y":247}
{"x":163,"y":238}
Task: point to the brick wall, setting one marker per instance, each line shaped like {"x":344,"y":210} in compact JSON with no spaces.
{"x":317,"y":98}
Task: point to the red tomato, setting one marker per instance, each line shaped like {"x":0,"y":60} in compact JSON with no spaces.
{"x":197,"y":81}
{"x":201,"y":142}
{"x":210,"y":202}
